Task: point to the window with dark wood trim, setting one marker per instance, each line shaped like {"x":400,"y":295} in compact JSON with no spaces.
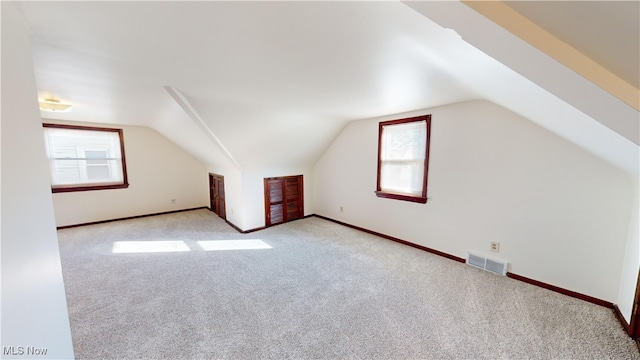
{"x":403,"y":159}
{"x":83,"y":158}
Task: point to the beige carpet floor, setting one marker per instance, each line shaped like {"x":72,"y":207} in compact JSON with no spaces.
{"x":162,"y":287}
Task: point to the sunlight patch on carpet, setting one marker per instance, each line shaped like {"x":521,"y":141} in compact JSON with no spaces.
{"x":249,"y":244}
{"x":124,"y":247}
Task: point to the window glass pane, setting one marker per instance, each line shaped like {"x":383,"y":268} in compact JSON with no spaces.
{"x":402,"y":155}
{"x":66,"y":171}
{"x":404,"y":141}
{"x":99,"y":155}
{"x":98,"y":165}
{"x":402,"y":176}
{"x":79,"y":157}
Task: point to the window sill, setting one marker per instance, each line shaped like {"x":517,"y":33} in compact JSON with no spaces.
{"x":88,"y":188}
{"x":403,"y":197}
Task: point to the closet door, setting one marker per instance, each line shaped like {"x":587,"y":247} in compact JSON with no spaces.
{"x":274,"y":201}
{"x":293,"y":195}
{"x":221,"y":200}
{"x":216,"y":195}
{"x":283,"y":199}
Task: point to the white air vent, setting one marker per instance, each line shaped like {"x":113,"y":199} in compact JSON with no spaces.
{"x":480,"y":261}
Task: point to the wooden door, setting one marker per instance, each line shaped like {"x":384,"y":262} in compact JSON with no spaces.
{"x":634,"y":325}
{"x":293,"y":197}
{"x":283,"y":199}
{"x":274,"y":204}
{"x":216,"y":195}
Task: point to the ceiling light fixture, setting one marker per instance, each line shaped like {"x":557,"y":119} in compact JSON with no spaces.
{"x":53,"y":105}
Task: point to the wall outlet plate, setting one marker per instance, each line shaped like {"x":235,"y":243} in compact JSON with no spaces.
{"x":495,"y":246}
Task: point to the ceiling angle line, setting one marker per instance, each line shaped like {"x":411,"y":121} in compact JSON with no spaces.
{"x":182,"y":101}
{"x":532,"y":33}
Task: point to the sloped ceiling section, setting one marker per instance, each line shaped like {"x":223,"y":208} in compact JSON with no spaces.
{"x":274,"y":82}
{"x":599,"y":80}
{"x":521,"y":78}
{"x":188,"y":109}
{"x":606,"y":31}
{"x":175,"y":124}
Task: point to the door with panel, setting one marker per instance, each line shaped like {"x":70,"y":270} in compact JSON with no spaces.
{"x":274,"y":201}
{"x":216,"y":195}
{"x":293,"y":197}
{"x":283,"y":198}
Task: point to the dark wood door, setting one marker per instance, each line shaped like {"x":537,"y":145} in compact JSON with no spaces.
{"x":274,"y":204}
{"x":293,"y":197}
{"x":216,"y":195}
{"x":284,"y":199}
{"x":634,"y":325}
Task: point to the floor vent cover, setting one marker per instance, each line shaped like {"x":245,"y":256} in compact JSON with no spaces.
{"x":495,"y":266}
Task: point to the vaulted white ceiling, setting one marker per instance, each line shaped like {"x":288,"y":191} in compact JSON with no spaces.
{"x":273,"y":81}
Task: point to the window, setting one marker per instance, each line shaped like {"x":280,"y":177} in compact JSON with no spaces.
{"x":403,"y":159}
{"x":85,"y":158}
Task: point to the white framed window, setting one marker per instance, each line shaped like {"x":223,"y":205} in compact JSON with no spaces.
{"x":85,"y":158}
{"x":403,"y":158}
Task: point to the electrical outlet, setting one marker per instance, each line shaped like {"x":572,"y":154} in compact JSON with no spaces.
{"x":341,"y":209}
{"x":173,"y":201}
{"x":495,"y":246}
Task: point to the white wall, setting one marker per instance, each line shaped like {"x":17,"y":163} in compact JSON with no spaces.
{"x":560,"y":213}
{"x":158,"y":171}
{"x":232,"y":192}
{"x":253,"y":192}
{"x":631,"y":263}
{"x":34,"y":308}
{"x":174,"y":123}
